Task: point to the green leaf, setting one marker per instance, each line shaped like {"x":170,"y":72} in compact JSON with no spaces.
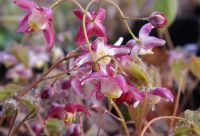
{"x":195,"y":67}
{"x":21,"y":53}
{"x":168,"y":7}
{"x":191,"y":124}
{"x":56,"y":127}
{"x":196,"y":128}
{"x":183,"y":131}
{"x":8,"y":90}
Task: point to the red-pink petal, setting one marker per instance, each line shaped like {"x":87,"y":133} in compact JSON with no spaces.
{"x":145,"y":31}
{"x":78,"y":13}
{"x":82,"y":108}
{"x":122,"y":83}
{"x":49,"y":35}
{"x":151,"y":42}
{"x":164,"y":93}
{"x":100,"y":15}
{"x":99,"y":94}
{"x":77,"y":87}
{"x":83,"y":59}
{"x":100,"y":30}
{"x":80,"y":38}
{"x":23,"y":25}
{"x":25,"y":4}
{"x":70,"y":107}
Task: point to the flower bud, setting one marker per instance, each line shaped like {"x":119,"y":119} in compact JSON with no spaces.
{"x":157,"y":19}
{"x":37,"y":128}
{"x":46,"y":92}
{"x":66,"y":84}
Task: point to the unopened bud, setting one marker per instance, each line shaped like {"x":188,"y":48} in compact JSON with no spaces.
{"x":46,"y":92}
{"x":158,"y":19}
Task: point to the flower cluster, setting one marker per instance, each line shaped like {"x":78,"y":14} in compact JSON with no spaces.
{"x":107,"y":71}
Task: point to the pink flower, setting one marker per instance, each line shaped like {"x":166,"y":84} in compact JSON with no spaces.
{"x":36,"y":19}
{"x":111,"y":87}
{"x":66,"y":112}
{"x":94,"y":24}
{"x":7,"y":59}
{"x":157,"y":19}
{"x":146,"y":43}
{"x":19,"y":73}
{"x":100,"y":48}
{"x":164,"y":93}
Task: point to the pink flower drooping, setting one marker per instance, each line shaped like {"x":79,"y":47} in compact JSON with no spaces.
{"x":147,"y":42}
{"x":36,"y":19}
{"x":94,"y":25}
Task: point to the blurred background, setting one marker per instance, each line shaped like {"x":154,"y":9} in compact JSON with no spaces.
{"x":182,"y":35}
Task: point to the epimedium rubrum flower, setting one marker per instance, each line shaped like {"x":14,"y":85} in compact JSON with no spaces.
{"x":146,"y":42}
{"x":36,"y":19}
{"x":100,"y":49}
{"x":46,"y":92}
{"x":157,"y":19}
{"x":94,"y":24}
{"x":111,"y":87}
{"x":164,"y":93}
{"x":66,"y":112}
{"x":134,"y":96}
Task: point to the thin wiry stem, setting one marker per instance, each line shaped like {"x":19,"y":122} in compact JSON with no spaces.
{"x":22,"y":122}
{"x":180,"y":87}
{"x":85,"y":31}
{"x":13,"y":121}
{"x":30,"y":129}
{"x":59,"y":1}
{"x":135,"y":18}
{"x":121,"y":117}
{"x":43,"y":125}
{"x":143,"y":112}
{"x":156,"y":119}
{"x":124,"y":19}
{"x":56,"y":3}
